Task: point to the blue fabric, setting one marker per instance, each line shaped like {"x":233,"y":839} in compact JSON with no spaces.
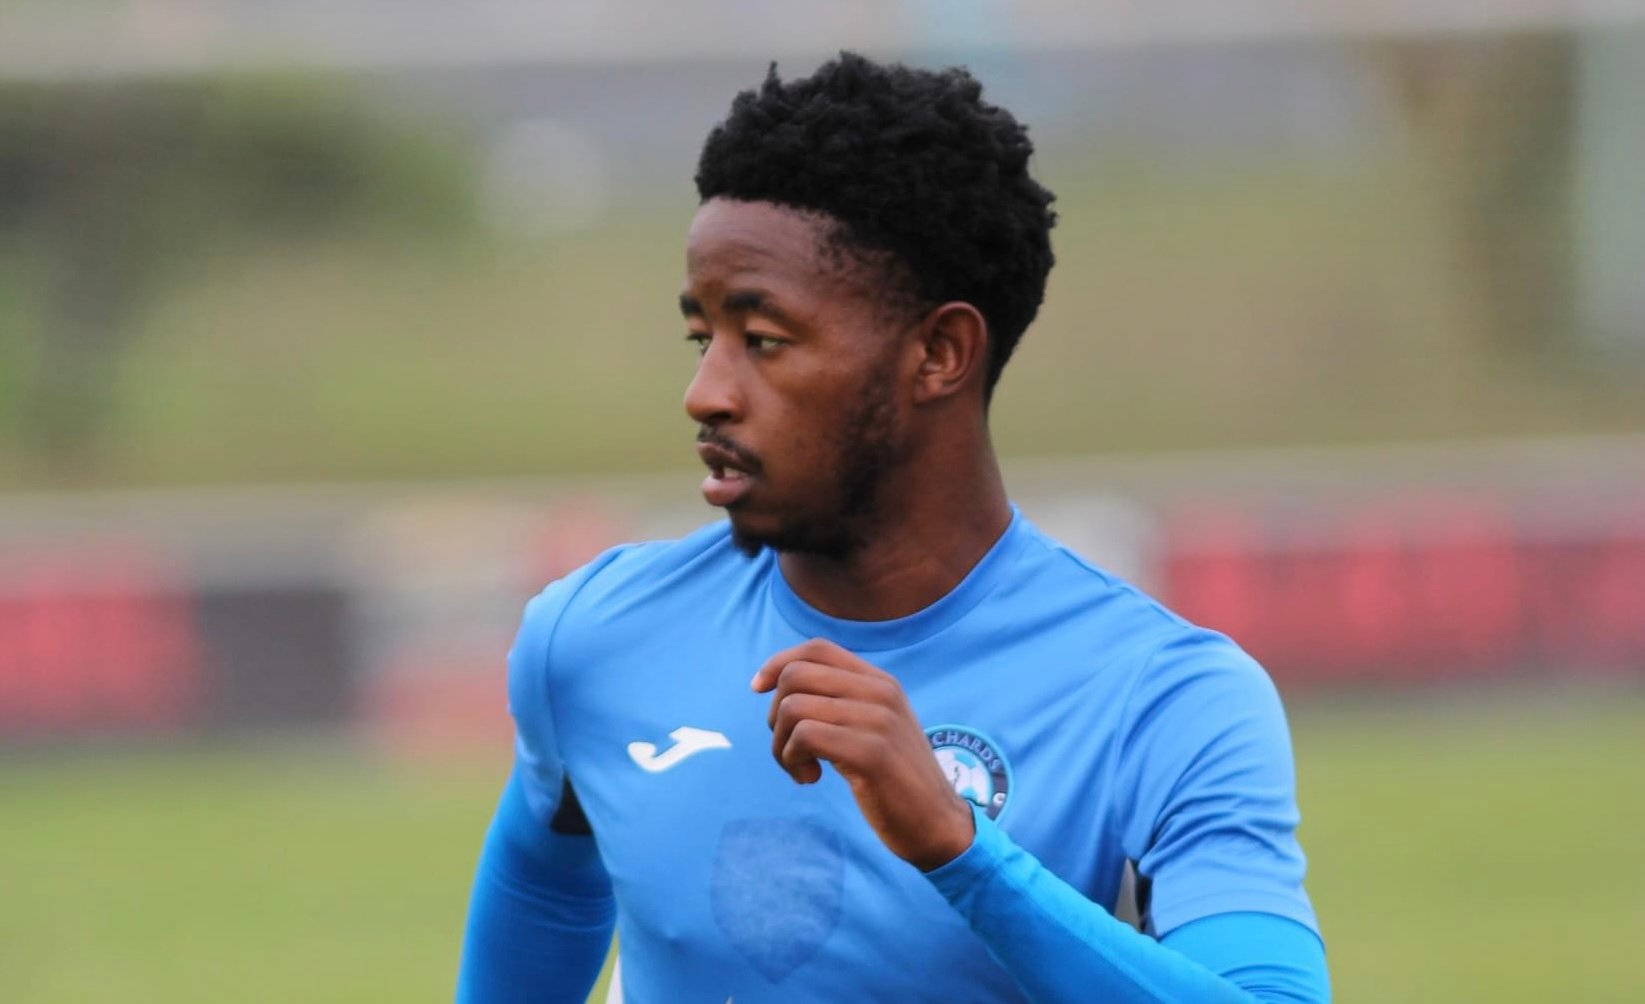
{"x":1272,"y":958}
{"x":541,"y":915}
{"x":1089,"y":725}
{"x":1060,"y":946}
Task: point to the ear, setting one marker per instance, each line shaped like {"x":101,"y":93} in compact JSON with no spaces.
{"x":953,"y":352}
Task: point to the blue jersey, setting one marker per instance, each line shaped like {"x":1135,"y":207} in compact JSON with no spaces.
{"x":1086,"y":724}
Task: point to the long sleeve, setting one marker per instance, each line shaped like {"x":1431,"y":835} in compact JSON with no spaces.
{"x":1060,"y":946}
{"x":1205,"y":777}
{"x":542,"y":911}
{"x":541,"y":914}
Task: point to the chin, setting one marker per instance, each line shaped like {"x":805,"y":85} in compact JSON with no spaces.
{"x":823,"y":538}
{"x":752,"y":535}
{"x":749,"y":546}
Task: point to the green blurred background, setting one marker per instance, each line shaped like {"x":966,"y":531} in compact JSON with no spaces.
{"x":379,"y":308}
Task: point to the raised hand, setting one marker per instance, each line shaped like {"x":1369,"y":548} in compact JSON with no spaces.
{"x":827,"y":704}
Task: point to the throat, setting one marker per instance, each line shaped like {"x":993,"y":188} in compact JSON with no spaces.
{"x":894,"y":574}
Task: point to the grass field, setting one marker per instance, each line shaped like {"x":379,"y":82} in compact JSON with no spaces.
{"x":1467,"y":852}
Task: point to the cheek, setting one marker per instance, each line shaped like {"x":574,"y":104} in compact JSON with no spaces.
{"x":807,"y":422}
{"x":807,"y":444}
{"x":808,"y":454}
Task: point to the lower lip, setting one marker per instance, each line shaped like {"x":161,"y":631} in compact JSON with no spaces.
{"x":726,"y":489}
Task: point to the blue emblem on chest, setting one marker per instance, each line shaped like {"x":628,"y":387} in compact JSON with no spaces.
{"x":974,"y":764}
{"x":777,"y":891}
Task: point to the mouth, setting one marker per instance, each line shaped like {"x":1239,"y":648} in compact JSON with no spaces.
{"x":728,"y":480}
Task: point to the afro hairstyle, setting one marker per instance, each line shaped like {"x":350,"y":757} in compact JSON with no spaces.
{"x":908,"y":163}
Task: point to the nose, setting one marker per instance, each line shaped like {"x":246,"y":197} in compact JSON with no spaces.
{"x":712,"y":398}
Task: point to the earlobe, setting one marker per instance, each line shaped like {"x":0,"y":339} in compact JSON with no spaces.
{"x":953,"y":340}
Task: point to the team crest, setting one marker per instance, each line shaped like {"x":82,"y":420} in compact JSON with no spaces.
{"x":974,"y":764}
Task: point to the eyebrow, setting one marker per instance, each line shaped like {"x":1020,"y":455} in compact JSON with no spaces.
{"x":742,"y":301}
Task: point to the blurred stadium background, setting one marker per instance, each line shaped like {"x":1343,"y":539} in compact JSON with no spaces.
{"x":330,"y":331}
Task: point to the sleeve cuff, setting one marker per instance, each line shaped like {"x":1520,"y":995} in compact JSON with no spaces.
{"x":976,"y":864}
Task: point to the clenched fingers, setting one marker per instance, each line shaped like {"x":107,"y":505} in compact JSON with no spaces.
{"x":817,"y":650}
{"x":813,"y":740}
{"x":826,"y":680}
{"x":801,"y":712}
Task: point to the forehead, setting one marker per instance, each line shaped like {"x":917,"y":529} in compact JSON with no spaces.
{"x":738,"y":244}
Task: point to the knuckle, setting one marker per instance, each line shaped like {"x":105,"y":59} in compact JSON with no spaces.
{"x":805,"y":732}
{"x":876,"y":748}
{"x":791,"y":678}
{"x":885,"y":691}
{"x":880,"y":717}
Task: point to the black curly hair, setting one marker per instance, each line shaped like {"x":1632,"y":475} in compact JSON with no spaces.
{"x":909,"y":163}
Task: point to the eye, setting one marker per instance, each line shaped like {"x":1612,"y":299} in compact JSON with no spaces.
{"x":699,"y":339}
{"x":762,"y":344}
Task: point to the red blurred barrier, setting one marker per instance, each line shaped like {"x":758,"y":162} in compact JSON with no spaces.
{"x":118,"y":640}
{"x":95,"y":641}
{"x":168,"y":630}
{"x":1414,"y":588}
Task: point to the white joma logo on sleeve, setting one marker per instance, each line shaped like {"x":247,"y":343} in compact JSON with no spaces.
{"x":687,"y":742}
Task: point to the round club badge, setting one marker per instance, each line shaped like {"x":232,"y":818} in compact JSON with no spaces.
{"x":975,"y":765}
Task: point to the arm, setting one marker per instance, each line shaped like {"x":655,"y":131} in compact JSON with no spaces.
{"x":1205,"y":774}
{"x":1060,"y":946}
{"x":541,"y":913}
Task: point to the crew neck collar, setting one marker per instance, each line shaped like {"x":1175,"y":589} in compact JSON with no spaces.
{"x":880,"y":636}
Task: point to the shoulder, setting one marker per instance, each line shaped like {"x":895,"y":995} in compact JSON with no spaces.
{"x":1201,"y":706}
{"x":627,"y":570}
{"x":1073,"y":590}
{"x":1163,"y":654}
{"x":620,"y":581}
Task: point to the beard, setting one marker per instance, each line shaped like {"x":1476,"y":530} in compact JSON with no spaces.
{"x":868,"y":446}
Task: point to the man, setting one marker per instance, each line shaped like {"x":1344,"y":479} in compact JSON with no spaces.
{"x":876,"y":737}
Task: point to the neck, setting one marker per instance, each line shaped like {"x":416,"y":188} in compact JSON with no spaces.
{"x":930,"y":536}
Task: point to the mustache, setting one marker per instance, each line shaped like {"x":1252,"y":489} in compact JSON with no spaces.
{"x":745,"y":457}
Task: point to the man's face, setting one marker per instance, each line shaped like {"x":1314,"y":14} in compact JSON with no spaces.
{"x":796,"y":397}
